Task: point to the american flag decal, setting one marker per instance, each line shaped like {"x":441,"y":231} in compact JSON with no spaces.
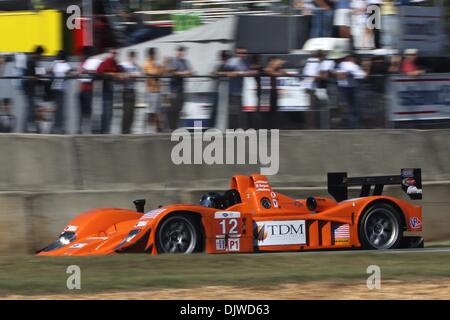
{"x":341,"y":232}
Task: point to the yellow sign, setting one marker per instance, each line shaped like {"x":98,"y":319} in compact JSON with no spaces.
{"x":22,"y":31}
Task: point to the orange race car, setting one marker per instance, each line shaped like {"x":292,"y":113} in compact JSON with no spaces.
{"x":252,"y":217}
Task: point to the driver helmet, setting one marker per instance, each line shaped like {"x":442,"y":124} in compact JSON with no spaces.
{"x":212,"y":200}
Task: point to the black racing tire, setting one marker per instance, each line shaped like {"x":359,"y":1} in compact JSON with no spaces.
{"x":179,"y":233}
{"x":380,"y":227}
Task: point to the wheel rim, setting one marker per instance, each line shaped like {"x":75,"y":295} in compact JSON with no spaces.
{"x":177,"y":235}
{"x":381,"y":228}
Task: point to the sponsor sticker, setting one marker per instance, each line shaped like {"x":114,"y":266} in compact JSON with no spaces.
{"x":415,"y":223}
{"x":230,"y":244}
{"x":140,"y":224}
{"x":413,"y":190}
{"x":262,"y":185}
{"x":153,"y":213}
{"x":408,"y":173}
{"x":226,"y":214}
{"x":275,"y":233}
{"x":71,"y":228}
{"x":78,"y":245}
{"x":409,"y":182}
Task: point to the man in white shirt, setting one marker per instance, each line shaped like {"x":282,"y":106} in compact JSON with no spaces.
{"x":311,"y":81}
{"x":348,"y":74}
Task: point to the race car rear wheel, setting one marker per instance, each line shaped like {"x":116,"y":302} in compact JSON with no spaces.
{"x":178,"y":234}
{"x":380,"y":227}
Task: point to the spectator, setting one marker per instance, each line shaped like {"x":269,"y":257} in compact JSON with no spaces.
{"x":409,"y":66}
{"x":322,"y":17}
{"x":32,"y":71}
{"x":240,"y":68}
{"x":362,"y":35}
{"x":20,"y":66}
{"x":88,"y":66}
{"x":389,"y":24}
{"x":7,"y":119}
{"x":311,"y":81}
{"x":342,"y":18}
{"x":376,"y":31}
{"x":180,"y":68}
{"x":60,"y":69}
{"x":395,"y":63}
{"x":374,"y":89}
{"x":153,"y":69}
{"x":274,"y":70}
{"x":222,"y":70}
{"x":258,"y":70}
{"x":109,"y":69}
{"x":131,"y":71}
{"x":348,"y":73}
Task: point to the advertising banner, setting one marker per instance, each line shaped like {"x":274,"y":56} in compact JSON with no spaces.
{"x":292,"y":94}
{"x":419,"y":98}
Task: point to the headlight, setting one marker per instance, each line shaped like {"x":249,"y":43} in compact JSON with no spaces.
{"x":131,"y":235}
{"x":64,"y":239}
{"x":128,"y":238}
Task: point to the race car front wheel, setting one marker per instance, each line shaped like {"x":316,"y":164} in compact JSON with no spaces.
{"x":380,"y":227}
{"x":178,"y":234}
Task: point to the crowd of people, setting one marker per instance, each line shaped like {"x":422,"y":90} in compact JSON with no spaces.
{"x":323,"y":75}
{"x":370,"y":24}
{"x":49,"y":83}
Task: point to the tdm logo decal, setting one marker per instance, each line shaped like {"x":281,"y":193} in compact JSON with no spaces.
{"x":273,"y":233}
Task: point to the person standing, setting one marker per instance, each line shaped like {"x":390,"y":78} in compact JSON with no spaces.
{"x":131,"y":70}
{"x":311,"y":78}
{"x":88,"y":67}
{"x":154,"y":71}
{"x":59,"y":70}
{"x":32,"y":72}
{"x":376,"y":5}
{"x":180,"y":68}
{"x":240,"y":69}
{"x":7,"y":119}
{"x":390,"y":24}
{"x":348,"y":74}
{"x":221,"y":72}
{"x":409,"y":65}
{"x":322,"y":18}
{"x":274,"y":70}
{"x":342,"y":18}
{"x":110,"y":70}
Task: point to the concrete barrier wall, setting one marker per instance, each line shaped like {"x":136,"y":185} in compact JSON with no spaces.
{"x":36,"y":163}
{"x":47,"y":180}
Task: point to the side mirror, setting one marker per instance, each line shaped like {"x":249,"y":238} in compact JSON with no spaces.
{"x":311,"y":203}
{"x":140,"y":205}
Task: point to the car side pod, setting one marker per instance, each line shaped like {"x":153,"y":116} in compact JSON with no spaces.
{"x":409,"y":179}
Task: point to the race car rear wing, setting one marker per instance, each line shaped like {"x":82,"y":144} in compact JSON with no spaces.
{"x":409,"y":179}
